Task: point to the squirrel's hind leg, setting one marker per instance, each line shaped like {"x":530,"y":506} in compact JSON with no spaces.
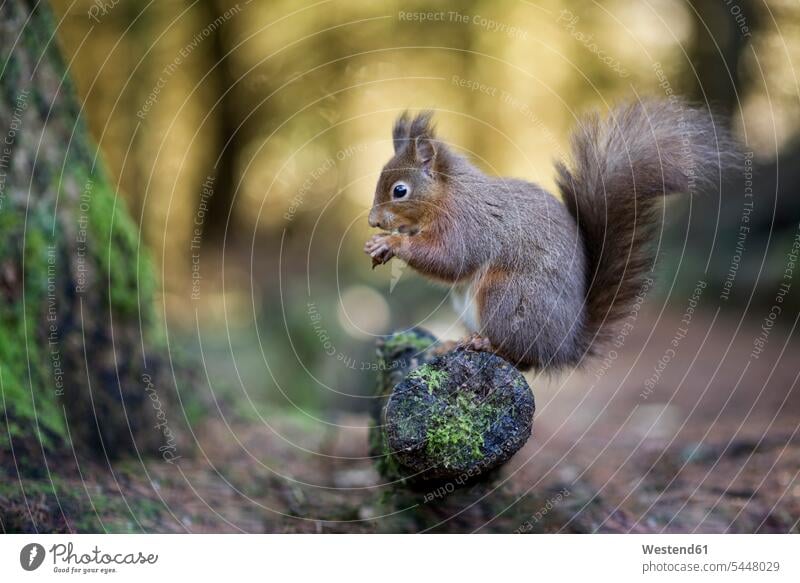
{"x":507,"y":319}
{"x":478,"y":343}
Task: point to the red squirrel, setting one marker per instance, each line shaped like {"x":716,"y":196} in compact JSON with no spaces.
{"x":542,"y":281}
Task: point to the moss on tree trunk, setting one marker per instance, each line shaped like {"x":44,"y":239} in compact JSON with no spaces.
{"x":81,"y":359}
{"x":453,"y":416}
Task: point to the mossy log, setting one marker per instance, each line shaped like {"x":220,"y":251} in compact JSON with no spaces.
{"x":440,"y":416}
{"x":81,"y":356}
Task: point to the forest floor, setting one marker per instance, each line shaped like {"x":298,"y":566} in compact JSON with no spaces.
{"x":712,"y":447}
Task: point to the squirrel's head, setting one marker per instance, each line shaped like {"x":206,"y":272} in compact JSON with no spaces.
{"x":411,"y":187}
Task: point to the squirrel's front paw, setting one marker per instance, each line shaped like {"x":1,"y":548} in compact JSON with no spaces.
{"x":380,"y":247}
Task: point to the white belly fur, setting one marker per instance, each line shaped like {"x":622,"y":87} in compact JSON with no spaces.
{"x":465,"y":304}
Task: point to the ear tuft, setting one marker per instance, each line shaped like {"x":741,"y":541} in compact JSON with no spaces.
{"x":423,"y":135}
{"x":418,"y":134}
{"x":400,"y":131}
{"x":422,"y":126}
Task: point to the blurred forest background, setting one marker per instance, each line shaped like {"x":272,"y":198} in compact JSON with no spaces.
{"x":265,"y":124}
{"x":245,"y":139}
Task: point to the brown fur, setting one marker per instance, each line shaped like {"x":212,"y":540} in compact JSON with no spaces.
{"x":544,"y":281}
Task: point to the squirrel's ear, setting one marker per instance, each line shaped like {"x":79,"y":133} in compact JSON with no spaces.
{"x":400,"y":132}
{"x":425,"y":151}
{"x":422,"y":126}
{"x":422,"y":134}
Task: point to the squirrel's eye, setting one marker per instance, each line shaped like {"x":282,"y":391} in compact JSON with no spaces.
{"x":400,"y":190}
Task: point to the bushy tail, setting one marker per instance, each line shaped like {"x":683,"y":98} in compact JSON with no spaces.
{"x":622,"y":167}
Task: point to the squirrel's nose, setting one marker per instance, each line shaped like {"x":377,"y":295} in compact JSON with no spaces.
{"x":373,"y":219}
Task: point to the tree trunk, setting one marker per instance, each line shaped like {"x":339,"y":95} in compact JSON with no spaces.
{"x":453,"y":416}
{"x":230,"y":135}
{"x":76,"y":303}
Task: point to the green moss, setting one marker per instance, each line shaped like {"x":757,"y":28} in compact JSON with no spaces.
{"x":405,"y":340}
{"x":24,"y":354}
{"x":114,"y":242}
{"x":432,"y":377}
{"x":456,"y":433}
{"x":393,"y":365}
{"x":26,"y":358}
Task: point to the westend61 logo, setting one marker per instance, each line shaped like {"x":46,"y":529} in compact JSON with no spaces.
{"x":66,"y":560}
